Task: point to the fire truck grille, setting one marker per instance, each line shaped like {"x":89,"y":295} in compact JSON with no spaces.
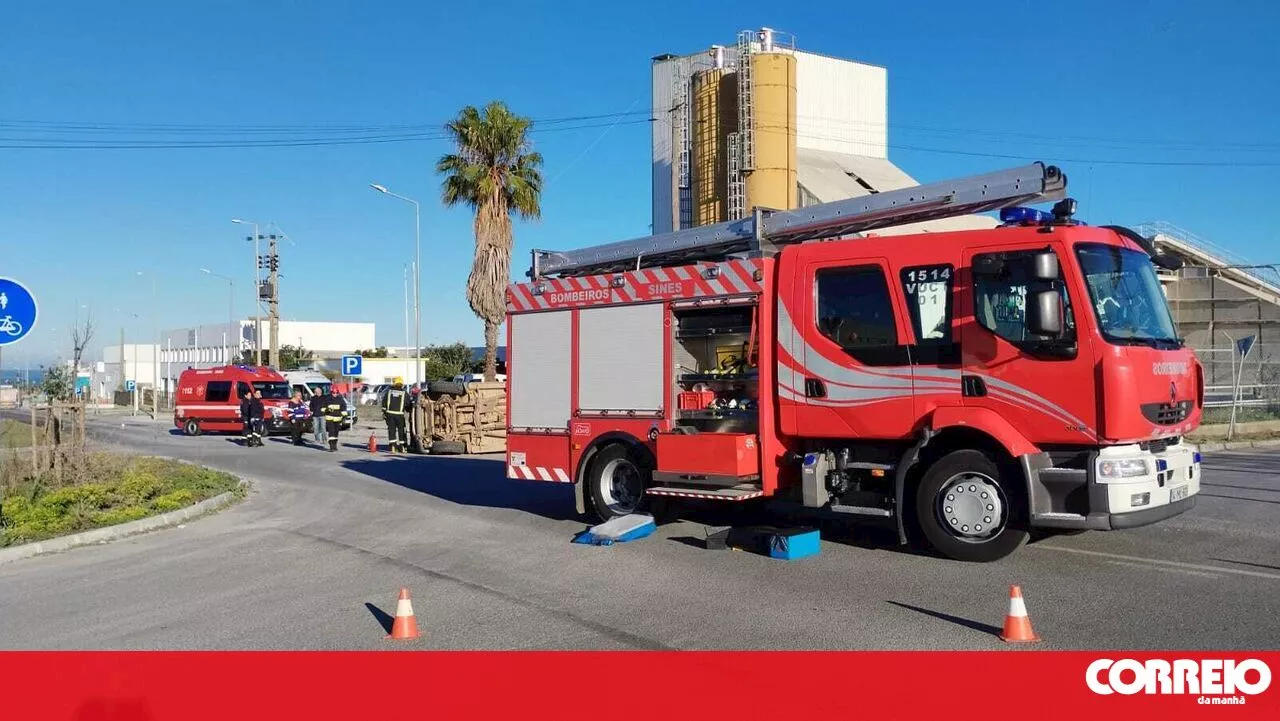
{"x":1167,"y":414}
{"x":1159,"y":445}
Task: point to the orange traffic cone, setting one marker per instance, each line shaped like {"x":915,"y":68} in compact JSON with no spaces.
{"x":373,"y":444}
{"x":1017,"y":625}
{"x":405,"y":626}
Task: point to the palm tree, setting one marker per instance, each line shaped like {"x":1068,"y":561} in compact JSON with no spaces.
{"x":494,"y":171}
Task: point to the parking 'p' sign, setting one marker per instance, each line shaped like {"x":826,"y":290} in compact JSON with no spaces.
{"x":17,"y":311}
{"x":352,"y":365}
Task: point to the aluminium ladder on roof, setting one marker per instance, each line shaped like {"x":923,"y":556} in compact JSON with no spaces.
{"x":765,"y":232}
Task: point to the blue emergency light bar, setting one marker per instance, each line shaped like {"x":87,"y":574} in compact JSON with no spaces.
{"x":1019,"y":215}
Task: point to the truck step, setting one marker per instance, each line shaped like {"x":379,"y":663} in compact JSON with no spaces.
{"x":738,"y":493}
{"x":865,"y":466}
{"x":706,"y":479}
{"x":862,"y":511}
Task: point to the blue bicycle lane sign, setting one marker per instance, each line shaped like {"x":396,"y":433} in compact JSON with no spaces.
{"x":18,"y":311}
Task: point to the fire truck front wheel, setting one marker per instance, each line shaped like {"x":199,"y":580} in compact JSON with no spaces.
{"x":191,"y":427}
{"x":616,"y":483}
{"x":969,"y":510}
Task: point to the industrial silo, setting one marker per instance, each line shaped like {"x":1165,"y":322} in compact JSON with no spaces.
{"x":715,"y":115}
{"x":771,"y":180}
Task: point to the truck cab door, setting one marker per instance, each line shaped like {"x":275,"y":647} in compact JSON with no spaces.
{"x":1043,"y":386}
{"x":929,"y":292}
{"x":844,"y":362}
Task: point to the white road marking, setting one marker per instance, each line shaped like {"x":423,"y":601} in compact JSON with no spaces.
{"x":1158,"y":562}
{"x":1131,"y":564}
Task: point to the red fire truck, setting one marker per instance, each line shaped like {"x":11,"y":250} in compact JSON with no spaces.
{"x":965,"y":387}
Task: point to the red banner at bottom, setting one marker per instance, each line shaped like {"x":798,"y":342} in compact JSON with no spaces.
{"x":154,"y":686}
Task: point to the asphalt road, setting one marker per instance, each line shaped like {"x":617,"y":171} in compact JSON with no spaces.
{"x":314,"y":558}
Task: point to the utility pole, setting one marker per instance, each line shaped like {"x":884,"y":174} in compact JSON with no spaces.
{"x":273,"y":297}
{"x":257,"y":285}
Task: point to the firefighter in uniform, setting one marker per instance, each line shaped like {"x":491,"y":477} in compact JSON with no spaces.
{"x":335,"y":408}
{"x":393,"y":410}
{"x":299,"y":415}
{"x":246,"y":417}
{"x":257,"y":414}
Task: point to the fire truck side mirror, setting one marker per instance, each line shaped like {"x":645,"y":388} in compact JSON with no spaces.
{"x":1044,"y":313}
{"x":1046,"y":265}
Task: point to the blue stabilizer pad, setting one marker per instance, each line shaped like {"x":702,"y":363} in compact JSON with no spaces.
{"x":784,"y":543}
{"x":618,"y":530}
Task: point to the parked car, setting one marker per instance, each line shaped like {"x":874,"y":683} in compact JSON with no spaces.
{"x":370,"y":394}
{"x":478,"y":377}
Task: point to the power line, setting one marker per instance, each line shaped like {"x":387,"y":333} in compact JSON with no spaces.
{"x":337,"y":135}
{"x":42,"y":126}
{"x":17,"y":143}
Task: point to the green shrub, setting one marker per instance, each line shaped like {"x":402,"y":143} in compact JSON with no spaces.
{"x":123,"y":489}
{"x":121,"y":515}
{"x":180,"y":498}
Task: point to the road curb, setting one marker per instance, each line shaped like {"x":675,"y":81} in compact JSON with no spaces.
{"x":1238,"y":445}
{"x":122,"y":530}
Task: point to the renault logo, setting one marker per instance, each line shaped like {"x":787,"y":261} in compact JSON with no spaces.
{"x":1173,"y":391}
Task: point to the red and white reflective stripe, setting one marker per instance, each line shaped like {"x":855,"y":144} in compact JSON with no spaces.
{"x":710,"y":496}
{"x":734,"y":277}
{"x":538,"y":473}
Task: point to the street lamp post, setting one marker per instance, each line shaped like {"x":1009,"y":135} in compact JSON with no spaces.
{"x":257,"y":288}
{"x":417,"y":281}
{"x":123,"y":366}
{"x":155,"y":351}
{"x":231,"y":305}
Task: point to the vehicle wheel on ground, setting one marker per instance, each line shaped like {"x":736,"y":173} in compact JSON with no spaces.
{"x":435,"y":389}
{"x":191,"y":427}
{"x":447,"y":448}
{"x":616,"y":481}
{"x":970,"y":510}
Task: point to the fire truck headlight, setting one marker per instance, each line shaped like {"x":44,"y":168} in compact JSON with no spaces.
{"x":1123,"y":468}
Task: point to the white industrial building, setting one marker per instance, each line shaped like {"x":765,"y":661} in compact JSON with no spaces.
{"x":141,"y":365}
{"x":841,"y":121}
{"x":217,"y":344}
{"x":220,"y":343}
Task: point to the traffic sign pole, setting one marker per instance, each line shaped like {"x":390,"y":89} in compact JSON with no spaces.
{"x":352,"y":366}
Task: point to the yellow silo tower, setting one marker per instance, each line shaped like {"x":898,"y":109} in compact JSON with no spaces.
{"x":715,"y":115}
{"x":771,"y":178}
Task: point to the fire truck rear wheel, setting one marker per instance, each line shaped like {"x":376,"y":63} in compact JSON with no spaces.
{"x":191,"y":427}
{"x":616,"y":483}
{"x":969,"y":510}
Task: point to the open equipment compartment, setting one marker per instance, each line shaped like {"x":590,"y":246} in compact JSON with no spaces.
{"x":714,"y":440}
{"x":716,"y":374}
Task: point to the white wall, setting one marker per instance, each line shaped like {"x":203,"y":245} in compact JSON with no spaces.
{"x":216,"y":344}
{"x":841,"y":106}
{"x":133,"y":353}
{"x":323,"y":336}
{"x":380,"y":370}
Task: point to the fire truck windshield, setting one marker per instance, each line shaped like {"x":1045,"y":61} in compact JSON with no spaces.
{"x":1126,"y":296}
{"x":272,"y":391}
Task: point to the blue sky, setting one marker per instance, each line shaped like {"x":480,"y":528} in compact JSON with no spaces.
{"x":1122,"y":82}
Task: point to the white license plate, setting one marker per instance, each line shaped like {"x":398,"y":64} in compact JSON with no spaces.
{"x":1178,"y":493}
